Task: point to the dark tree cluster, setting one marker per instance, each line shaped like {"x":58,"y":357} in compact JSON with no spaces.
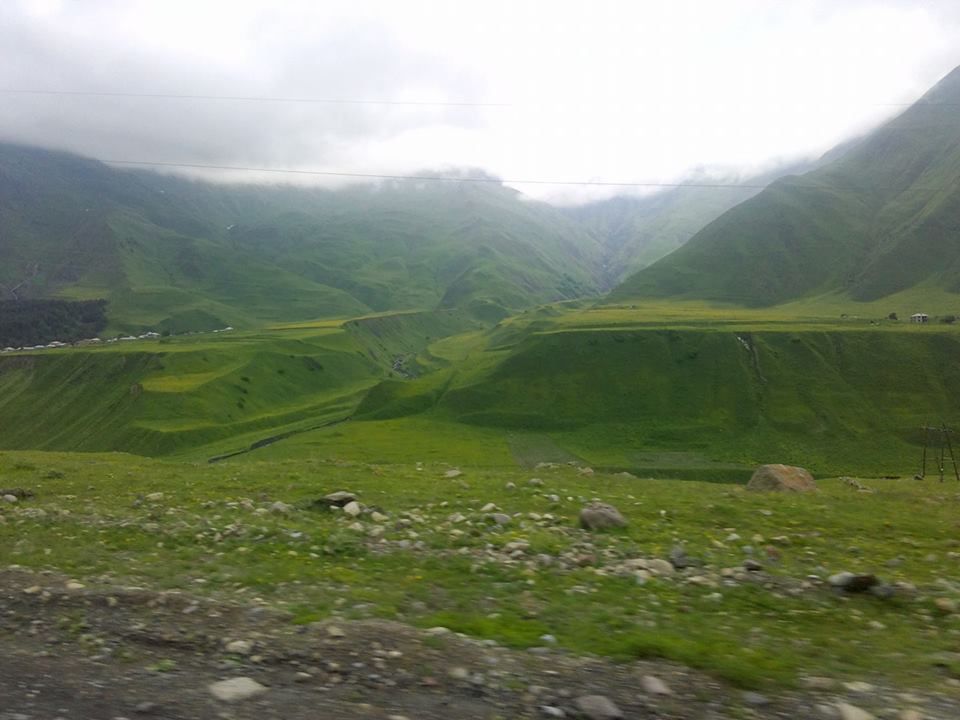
{"x":38,"y":322}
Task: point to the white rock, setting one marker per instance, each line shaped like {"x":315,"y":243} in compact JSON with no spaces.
{"x":10,"y":499}
{"x":236,"y":689}
{"x":459,"y":673}
{"x":239,"y":647}
{"x":378,"y":517}
{"x":454,"y":473}
{"x":652,"y":685}
{"x":660,"y":567}
{"x":352,"y":508}
{"x":852,"y":712}
{"x":74,"y":585}
{"x":281,"y":507}
{"x":155,"y":497}
{"x":489,"y":507}
{"x":335,"y":632}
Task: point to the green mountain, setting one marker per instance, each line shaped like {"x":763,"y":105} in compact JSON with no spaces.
{"x":636,"y":231}
{"x":170,"y":253}
{"x":882,"y":218}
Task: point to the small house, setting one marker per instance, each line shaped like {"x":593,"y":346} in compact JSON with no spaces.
{"x":919,"y":318}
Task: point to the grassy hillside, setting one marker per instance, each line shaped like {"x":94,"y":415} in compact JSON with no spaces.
{"x":693,"y":396}
{"x":637,"y":231}
{"x":882,"y":218}
{"x":170,"y":253}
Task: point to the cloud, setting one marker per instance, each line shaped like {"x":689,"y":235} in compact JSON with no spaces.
{"x":630,"y":90}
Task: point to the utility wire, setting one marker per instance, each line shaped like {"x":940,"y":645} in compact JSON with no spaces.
{"x":462,"y":179}
{"x":343,"y":101}
{"x":251,"y":98}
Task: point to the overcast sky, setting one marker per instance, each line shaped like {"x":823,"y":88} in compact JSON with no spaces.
{"x":617,"y":90}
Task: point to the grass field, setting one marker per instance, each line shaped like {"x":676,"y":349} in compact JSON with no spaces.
{"x":214,"y":529}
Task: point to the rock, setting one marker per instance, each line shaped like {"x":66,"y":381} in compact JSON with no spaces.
{"x":236,"y":689}
{"x":752,"y":566}
{"x":853,"y":583}
{"x":947,"y":606}
{"x":910,"y":714}
{"x":660,"y":567}
{"x":352,"y":508}
{"x":501,"y":518}
{"x":454,"y":473}
{"x":74,"y":585}
{"x":755,"y":699}
{"x":652,"y":685}
{"x":338,"y":499}
{"x":459,"y":673}
{"x":781,"y":478}
{"x":378,"y":517}
{"x":598,"y":707}
{"x":600,"y":516}
{"x":488,"y":508}
{"x":239,"y":647}
{"x":335,"y":632}
{"x":679,"y":558}
{"x":281,"y":508}
{"x":10,"y":499}
{"x":552,"y":712}
{"x":852,"y":712}
{"x":818,"y":683}
{"x":154,"y":497}
{"x":858,"y":686}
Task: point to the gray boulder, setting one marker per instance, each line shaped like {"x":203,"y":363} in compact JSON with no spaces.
{"x":781,"y":478}
{"x":601,"y":516}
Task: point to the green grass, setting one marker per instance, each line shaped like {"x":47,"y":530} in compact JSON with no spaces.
{"x":208,"y":534}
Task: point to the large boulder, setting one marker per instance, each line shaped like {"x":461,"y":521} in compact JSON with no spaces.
{"x":600,"y":516}
{"x":781,"y":478}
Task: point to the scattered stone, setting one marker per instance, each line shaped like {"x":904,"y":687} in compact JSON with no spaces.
{"x":378,"y":517}
{"x":236,"y":689}
{"x":910,"y":714}
{"x":74,"y":585}
{"x":459,"y":673}
{"x":501,"y":518}
{"x":598,"y":707}
{"x":660,"y":567}
{"x":853,"y":583}
{"x":857,"y":686}
{"x":679,"y":558}
{"x":338,"y":498}
{"x":755,"y":699}
{"x":781,"y":478}
{"x":752,"y":566}
{"x":852,"y":712}
{"x":454,"y":473}
{"x":239,"y":647}
{"x":488,"y":508}
{"x":947,"y":606}
{"x":601,"y":516}
{"x":652,"y":685}
{"x":352,"y":508}
{"x":335,"y":632}
{"x":154,"y":497}
{"x":552,"y":712}
{"x":10,"y":499}
{"x":281,"y":508}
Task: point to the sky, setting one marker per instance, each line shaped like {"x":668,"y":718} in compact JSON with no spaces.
{"x":576,"y":91}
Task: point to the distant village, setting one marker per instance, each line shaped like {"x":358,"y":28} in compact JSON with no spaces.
{"x":100,"y":341}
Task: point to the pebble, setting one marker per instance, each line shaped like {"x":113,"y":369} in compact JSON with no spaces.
{"x":239,"y":647}
{"x":352,"y":508}
{"x":74,"y":585}
{"x":459,"y":673}
{"x":653,"y":685}
{"x":236,"y":689}
{"x":335,"y":632}
{"x":551,"y":711}
{"x":852,"y":712}
{"x":598,"y":707}
{"x":947,"y":606}
{"x":10,"y":499}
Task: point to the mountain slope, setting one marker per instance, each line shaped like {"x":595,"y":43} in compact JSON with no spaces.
{"x":636,"y":231}
{"x":169,"y":252}
{"x":882,"y":218}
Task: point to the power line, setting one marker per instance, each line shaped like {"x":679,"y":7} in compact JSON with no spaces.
{"x":251,"y":98}
{"x":429,"y":178}
{"x":487,"y":180}
{"x":348,"y":101}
